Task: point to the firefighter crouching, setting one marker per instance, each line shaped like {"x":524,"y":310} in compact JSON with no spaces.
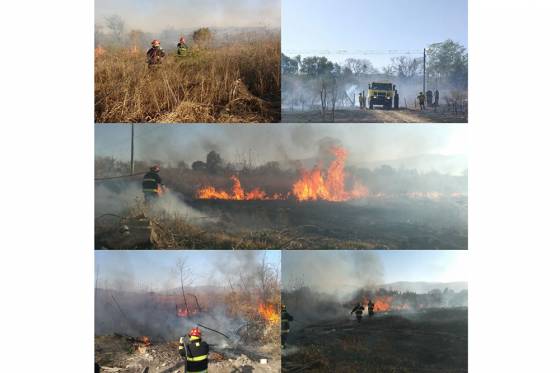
{"x":195,"y":352}
{"x":370,"y":307}
{"x":358,"y":310}
{"x":285,"y":325}
{"x":152,"y":184}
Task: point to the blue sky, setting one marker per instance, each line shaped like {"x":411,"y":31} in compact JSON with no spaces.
{"x":357,"y":25}
{"x":427,"y":265}
{"x":155,"y":267}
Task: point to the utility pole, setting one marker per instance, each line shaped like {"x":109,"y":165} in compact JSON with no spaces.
{"x":424,"y":86}
{"x":132,"y":149}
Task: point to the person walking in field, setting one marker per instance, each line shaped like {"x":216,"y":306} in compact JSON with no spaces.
{"x":195,"y":352}
{"x":152,"y":185}
{"x":370,"y":308}
{"x":155,"y":54}
{"x":182,"y":47}
{"x":285,"y":326}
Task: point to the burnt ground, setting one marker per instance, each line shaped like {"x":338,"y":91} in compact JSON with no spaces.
{"x":430,"y":341}
{"x":355,"y":115}
{"x":288,"y":224}
{"x":411,"y":225}
{"x":117,"y":353}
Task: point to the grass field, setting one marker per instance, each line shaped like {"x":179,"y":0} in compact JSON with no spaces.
{"x":232,"y":83}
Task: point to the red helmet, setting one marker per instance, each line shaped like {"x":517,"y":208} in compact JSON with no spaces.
{"x":195,"y":332}
{"x":182,"y":39}
{"x":155,"y":42}
{"x":155,"y":168}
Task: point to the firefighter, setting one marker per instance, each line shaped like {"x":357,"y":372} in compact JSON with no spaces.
{"x":429,"y":97}
{"x":182,"y":47}
{"x":370,"y":307}
{"x":285,"y":325}
{"x":155,"y":54}
{"x":358,"y":309}
{"x":152,"y":184}
{"x":421,"y":100}
{"x":396,"y":100}
{"x":361,"y":99}
{"x":436,"y":98}
{"x":195,"y":351}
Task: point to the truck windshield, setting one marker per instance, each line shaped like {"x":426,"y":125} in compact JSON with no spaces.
{"x":382,"y":86}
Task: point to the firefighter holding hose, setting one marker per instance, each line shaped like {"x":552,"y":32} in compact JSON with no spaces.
{"x":195,"y":352}
{"x":152,"y":185}
{"x":358,"y":310}
{"x":285,"y":325}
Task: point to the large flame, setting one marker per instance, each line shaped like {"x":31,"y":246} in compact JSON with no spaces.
{"x":315,"y":184}
{"x":269,"y":312}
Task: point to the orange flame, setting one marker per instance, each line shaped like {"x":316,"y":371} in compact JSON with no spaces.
{"x":313,"y":185}
{"x":237,"y":192}
{"x":99,"y":51}
{"x":144,"y":340}
{"x":269,"y":312}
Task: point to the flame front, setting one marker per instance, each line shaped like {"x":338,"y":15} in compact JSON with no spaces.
{"x":237,"y":193}
{"x":269,"y":312}
{"x":315,"y":184}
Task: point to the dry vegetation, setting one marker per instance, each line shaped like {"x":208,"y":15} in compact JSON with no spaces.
{"x":237,"y":82}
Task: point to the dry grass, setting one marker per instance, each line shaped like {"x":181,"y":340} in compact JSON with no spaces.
{"x":238,"y":82}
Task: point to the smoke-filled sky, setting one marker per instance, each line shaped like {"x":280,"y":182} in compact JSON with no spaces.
{"x":156,"y":15}
{"x":378,"y":25}
{"x":345,"y":270}
{"x":366,"y":144}
{"x":155,"y":269}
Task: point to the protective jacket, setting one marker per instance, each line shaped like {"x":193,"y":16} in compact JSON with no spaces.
{"x":155,"y":55}
{"x":285,"y":318}
{"x":151,"y":182}
{"x":195,"y":352}
{"x":182,"y":49}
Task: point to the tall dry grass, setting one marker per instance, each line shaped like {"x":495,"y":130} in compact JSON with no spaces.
{"x":238,"y":82}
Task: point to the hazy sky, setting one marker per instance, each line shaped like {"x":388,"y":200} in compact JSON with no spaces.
{"x":275,"y":142}
{"x":156,"y":267}
{"x":156,"y":15}
{"x":358,"y":25}
{"x":426,"y":265}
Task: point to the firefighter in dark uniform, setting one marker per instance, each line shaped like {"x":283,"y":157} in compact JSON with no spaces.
{"x":285,"y":325}
{"x":429,"y":97}
{"x":155,"y":54}
{"x":152,"y":184}
{"x":421,"y":100}
{"x":396,"y":100}
{"x":182,"y":47}
{"x":195,"y":352}
{"x":436,"y":98}
{"x":358,"y":309}
{"x":361,"y":100}
{"x":370,"y":307}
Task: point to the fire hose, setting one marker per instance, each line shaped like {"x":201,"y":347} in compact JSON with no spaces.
{"x":215,"y":331}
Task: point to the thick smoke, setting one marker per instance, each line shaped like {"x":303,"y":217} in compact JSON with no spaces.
{"x":116,"y":197}
{"x":436,"y":148}
{"x":156,"y":15}
{"x":336,"y":273}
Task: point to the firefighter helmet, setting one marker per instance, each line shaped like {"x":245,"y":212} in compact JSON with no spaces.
{"x":182,"y":39}
{"x":155,"y":168}
{"x":195,"y":332}
{"x":283,"y":307}
{"x":155,"y":43}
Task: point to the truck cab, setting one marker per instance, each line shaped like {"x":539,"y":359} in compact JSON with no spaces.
{"x":381,"y":94}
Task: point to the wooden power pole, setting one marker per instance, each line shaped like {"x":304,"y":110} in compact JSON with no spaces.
{"x":132,"y":149}
{"x":424,"y":85}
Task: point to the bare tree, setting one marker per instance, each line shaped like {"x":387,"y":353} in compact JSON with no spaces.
{"x":115,"y":24}
{"x":183,"y":272}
